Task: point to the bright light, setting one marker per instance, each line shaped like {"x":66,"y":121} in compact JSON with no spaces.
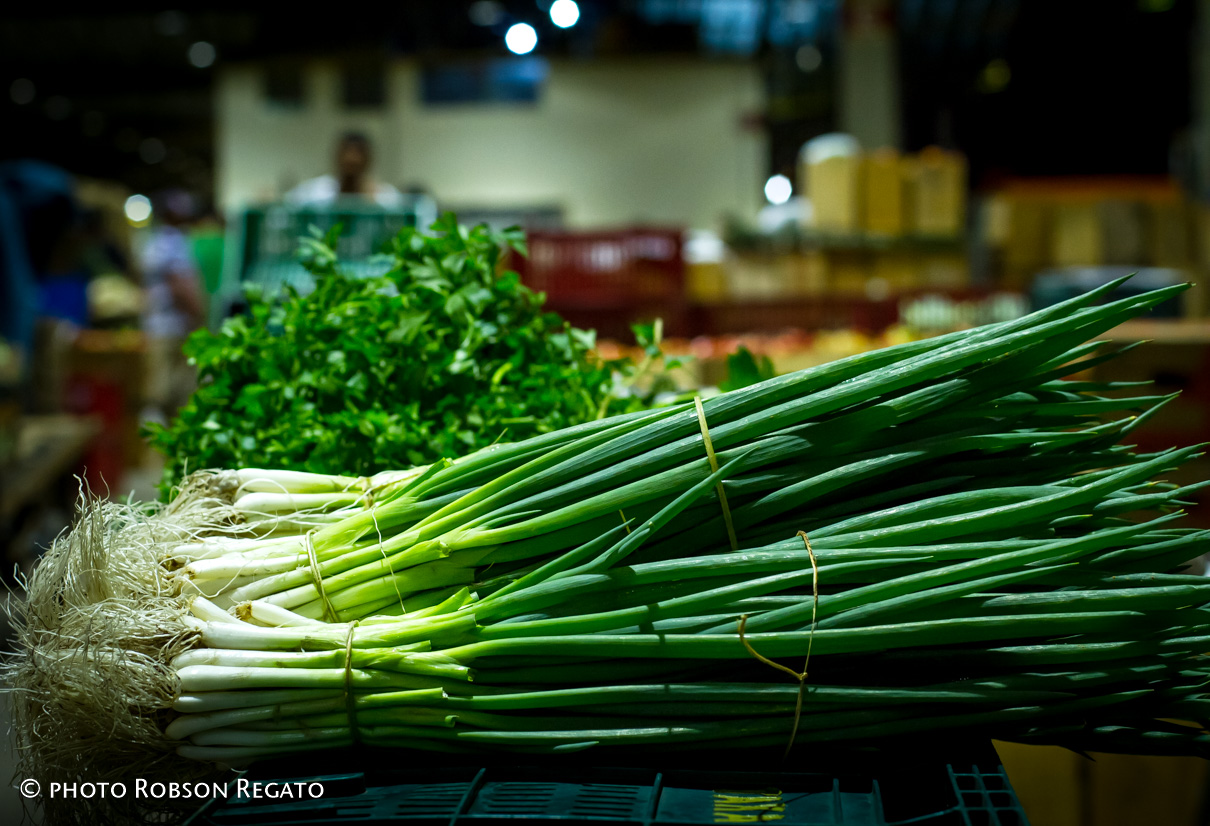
{"x":202,"y":54}
{"x":521,"y":38}
{"x":564,"y":13}
{"x":778,"y":189}
{"x":138,"y":209}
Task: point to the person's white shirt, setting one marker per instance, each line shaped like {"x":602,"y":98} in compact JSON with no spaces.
{"x":166,"y":255}
{"x":326,"y":189}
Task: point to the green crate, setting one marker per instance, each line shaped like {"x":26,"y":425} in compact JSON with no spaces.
{"x":421,"y":790}
{"x":261,"y":248}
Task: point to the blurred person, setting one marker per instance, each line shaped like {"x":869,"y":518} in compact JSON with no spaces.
{"x":174,"y":305}
{"x":354,"y":155}
{"x":37,"y":210}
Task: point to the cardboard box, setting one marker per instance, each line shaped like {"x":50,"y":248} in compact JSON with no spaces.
{"x":1123,"y":236}
{"x":1058,"y":787}
{"x":834,"y":187}
{"x":1077,"y":240}
{"x":938,"y":193}
{"x":706,"y":283}
{"x":996,"y":220}
{"x":1029,"y":241}
{"x":882,"y":202}
{"x":1170,"y":234}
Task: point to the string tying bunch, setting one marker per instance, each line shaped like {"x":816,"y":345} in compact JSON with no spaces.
{"x":801,"y":677}
{"x":329,"y":611}
{"x":722,"y":494}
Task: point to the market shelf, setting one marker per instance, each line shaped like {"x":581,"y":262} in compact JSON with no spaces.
{"x":806,"y":238}
{"x":1163,"y":331}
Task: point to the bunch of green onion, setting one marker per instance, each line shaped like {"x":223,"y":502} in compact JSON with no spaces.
{"x":939,"y":535}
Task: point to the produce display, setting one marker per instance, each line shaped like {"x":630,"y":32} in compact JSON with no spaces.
{"x":943,"y":534}
{"x":441,"y":355}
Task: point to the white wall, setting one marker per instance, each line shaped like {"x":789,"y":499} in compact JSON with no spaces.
{"x":613,"y":143}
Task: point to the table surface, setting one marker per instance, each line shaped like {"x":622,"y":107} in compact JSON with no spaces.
{"x":1164,"y":331}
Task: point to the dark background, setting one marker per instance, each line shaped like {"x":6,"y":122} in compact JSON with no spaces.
{"x":1093,"y":86}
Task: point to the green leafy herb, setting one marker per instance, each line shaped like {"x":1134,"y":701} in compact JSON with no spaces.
{"x":744,"y":369}
{"x":442,"y":355}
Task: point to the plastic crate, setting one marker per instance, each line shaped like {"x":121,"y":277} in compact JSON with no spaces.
{"x":261,"y":248}
{"x":964,"y":794}
{"x":1054,"y":286}
{"x":601,"y":270}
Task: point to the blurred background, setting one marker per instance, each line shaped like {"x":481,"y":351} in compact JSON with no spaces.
{"x":808,"y":178}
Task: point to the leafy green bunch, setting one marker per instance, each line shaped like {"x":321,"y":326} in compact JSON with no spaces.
{"x":745,"y":369}
{"x":441,"y":355}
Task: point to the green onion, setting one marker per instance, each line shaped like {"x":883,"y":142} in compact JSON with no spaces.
{"x":930,"y":537}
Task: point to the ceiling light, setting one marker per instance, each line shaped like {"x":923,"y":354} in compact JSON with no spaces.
{"x":138,"y":209}
{"x":778,"y":189}
{"x":564,"y":13}
{"x":521,"y":38}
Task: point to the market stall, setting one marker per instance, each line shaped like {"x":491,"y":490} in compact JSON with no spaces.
{"x":501,"y":413}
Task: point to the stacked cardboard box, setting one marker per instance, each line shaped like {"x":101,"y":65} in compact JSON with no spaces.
{"x":834,"y":187}
{"x":936,"y":180}
{"x":886,"y":194}
{"x":1033,"y":226}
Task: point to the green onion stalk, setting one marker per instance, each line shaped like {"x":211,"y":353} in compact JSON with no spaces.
{"x":538,"y":669}
{"x":946,"y":534}
{"x":950,"y":412}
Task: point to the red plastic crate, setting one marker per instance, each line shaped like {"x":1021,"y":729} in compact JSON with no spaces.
{"x":625,"y":269}
{"x":105,"y":460}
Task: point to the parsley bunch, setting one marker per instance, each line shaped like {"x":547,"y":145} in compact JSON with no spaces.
{"x":441,"y":355}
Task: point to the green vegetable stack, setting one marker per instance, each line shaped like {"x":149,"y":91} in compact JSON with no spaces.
{"x":941,"y":535}
{"x":442,"y":355}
